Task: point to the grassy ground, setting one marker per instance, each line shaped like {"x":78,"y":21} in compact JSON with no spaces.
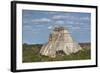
{"x":31,"y":54}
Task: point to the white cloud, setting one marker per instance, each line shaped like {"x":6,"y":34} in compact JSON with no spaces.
{"x":30,"y":28}
{"x":36,"y":30}
{"x":74,"y":27}
{"x":70,"y":22}
{"x":50,"y":27}
{"x":59,"y":17}
{"x":40,"y":26}
{"x":59,"y":22}
{"x":84,"y":18}
{"x":78,"y":28}
{"x":27,"y":27}
{"x":69,"y":26}
{"x":41,"y":20}
{"x":67,"y":16}
{"x":70,"y":17}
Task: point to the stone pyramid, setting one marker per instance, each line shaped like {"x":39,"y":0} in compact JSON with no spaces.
{"x":59,"y":42}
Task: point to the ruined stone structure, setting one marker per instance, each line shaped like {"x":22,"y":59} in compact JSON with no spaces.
{"x":60,"y":42}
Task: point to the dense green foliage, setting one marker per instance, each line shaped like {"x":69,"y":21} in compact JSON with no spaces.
{"x":31,"y":54}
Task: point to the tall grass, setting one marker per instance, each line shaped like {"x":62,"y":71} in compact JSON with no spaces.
{"x":31,"y":54}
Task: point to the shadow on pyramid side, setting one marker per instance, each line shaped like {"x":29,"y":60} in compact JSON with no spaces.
{"x":60,"y":42}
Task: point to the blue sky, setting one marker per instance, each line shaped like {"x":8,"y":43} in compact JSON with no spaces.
{"x":37,"y":25}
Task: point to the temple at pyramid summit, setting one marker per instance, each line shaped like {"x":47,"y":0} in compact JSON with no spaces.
{"x":60,"y":42}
